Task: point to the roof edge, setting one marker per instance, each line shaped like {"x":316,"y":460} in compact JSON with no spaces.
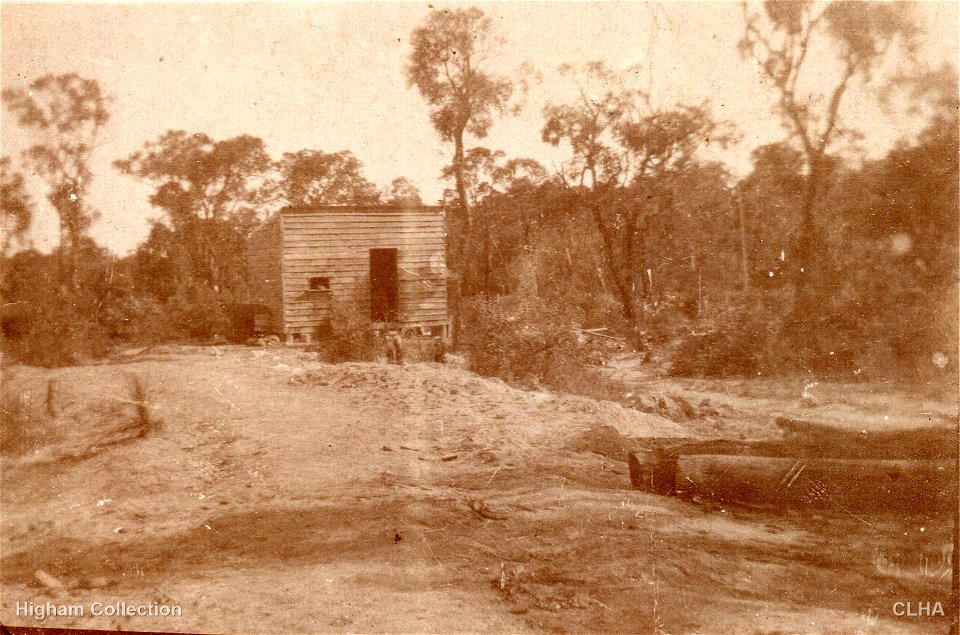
{"x":299,"y":209}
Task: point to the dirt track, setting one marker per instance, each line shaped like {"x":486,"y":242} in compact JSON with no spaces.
{"x":284,"y":495}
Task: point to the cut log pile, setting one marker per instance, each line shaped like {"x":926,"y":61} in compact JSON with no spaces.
{"x":814,"y":465}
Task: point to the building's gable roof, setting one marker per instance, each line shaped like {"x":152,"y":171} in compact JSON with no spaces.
{"x":378,"y":207}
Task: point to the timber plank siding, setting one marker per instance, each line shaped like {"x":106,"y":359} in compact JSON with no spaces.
{"x":331,"y":245}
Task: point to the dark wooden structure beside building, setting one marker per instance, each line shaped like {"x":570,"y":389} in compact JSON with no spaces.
{"x":388,"y":261}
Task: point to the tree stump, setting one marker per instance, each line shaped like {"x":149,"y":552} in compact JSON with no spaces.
{"x":653,"y":470}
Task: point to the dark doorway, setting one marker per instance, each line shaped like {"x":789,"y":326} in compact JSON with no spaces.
{"x":384,"y":294}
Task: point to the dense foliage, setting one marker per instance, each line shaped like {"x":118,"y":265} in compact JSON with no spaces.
{"x":810,"y":263}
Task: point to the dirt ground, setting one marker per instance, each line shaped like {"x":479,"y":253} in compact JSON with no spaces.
{"x":274,"y":493}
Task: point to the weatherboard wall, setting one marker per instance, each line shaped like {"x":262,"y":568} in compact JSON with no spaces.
{"x":335,"y":243}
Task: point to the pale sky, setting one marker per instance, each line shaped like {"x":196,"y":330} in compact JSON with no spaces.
{"x":329,"y":76}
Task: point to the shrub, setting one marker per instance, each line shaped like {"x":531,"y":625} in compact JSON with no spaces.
{"x":726,"y":352}
{"x":196,"y":313}
{"x":666,"y":320}
{"x":756,"y":335}
{"x":138,"y":320}
{"x":54,"y":333}
{"x":738,"y":340}
{"x":347,"y":337}
{"x":523,"y":340}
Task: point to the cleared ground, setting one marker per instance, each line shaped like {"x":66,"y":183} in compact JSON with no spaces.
{"x":279,"y":494}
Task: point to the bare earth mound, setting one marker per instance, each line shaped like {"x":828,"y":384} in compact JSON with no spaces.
{"x":273,"y":493}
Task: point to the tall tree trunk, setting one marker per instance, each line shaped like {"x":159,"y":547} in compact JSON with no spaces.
{"x":624,"y":289}
{"x":458,"y":177}
{"x":624,"y":285}
{"x":744,"y":259}
{"x":462,"y":232}
{"x":807,"y":270}
{"x":67,"y":203}
{"x":630,"y":252}
{"x":215,"y":247}
{"x":487,"y":264}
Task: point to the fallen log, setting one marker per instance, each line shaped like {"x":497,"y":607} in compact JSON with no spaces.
{"x":653,"y":467}
{"x":848,"y":484}
{"x":653,"y":462}
{"x":810,"y":438}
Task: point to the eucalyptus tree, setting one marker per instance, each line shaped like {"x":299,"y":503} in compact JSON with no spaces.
{"x":210,"y":192}
{"x":314,"y":177}
{"x":449,"y":65}
{"x":16,"y":206}
{"x":796,"y":44}
{"x":625,"y":157}
{"x":66,"y":114}
{"x":402,"y":191}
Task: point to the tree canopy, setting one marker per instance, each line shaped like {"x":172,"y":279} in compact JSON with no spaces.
{"x":314,"y":177}
{"x":451,"y":51}
{"x":16,"y":206}
{"x":66,"y":114}
{"x":209,"y":191}
{"x":447,"y":64}
{"x":402,"y":191}
{"x":625,"y":156}
{"x":782,"y":38}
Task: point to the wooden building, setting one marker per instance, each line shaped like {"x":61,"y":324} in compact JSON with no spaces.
{"x":388,"y":261}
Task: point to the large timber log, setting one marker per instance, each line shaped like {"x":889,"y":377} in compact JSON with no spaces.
{"x":653,"y":465}
{"x":811,"y":438}
{"x":850,"y":484}
{"x":813,"y":465}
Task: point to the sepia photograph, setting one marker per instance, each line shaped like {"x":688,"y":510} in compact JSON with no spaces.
{"x":480,"y":317}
